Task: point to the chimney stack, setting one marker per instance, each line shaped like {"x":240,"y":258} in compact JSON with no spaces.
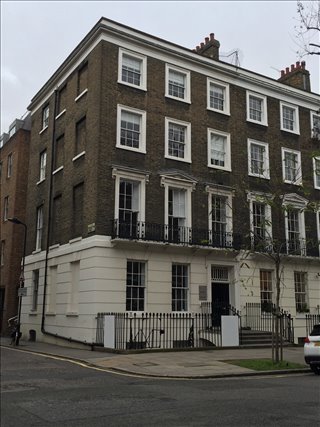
{"x":297,"y":76}
{"x":210,"y":47}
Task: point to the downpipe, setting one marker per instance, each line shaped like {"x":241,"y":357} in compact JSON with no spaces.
{"x":45,"y":285}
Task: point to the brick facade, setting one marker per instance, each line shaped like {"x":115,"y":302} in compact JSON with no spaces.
{"x":15,"y":187}
{"x":79,"y":194}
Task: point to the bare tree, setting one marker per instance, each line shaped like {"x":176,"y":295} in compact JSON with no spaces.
{"x":275,"y":247}
{"x":308,"y":28}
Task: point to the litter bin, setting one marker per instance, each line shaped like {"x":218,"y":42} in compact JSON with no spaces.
{"x":32,"y":335}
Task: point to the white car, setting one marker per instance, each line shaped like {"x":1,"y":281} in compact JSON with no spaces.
{"x":312,"y":349}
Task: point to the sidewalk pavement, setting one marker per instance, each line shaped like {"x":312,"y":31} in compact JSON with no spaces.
{"x":173,"y":364}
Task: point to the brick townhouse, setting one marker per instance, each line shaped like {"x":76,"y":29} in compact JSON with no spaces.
{"x":148,"y":163}
{"x":14,"y":161}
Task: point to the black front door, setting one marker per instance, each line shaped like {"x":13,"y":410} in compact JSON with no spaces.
{"x":220,"y":302}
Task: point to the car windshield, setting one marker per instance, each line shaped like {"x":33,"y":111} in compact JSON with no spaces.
{"x":315,"y":331}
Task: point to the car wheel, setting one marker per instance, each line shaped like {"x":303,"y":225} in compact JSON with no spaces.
{"x":315,"y":369}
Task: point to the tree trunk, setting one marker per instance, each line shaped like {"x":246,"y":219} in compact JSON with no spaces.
{"x":276,"y":341}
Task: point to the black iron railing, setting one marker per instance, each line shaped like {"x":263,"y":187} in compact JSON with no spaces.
{"x":311,"y":320}
{"x":159,"y":330}
{"x":261,"y":318}
{"x":218,"y":309}
{"x":171,"y":234}
{"x":181,"y":235}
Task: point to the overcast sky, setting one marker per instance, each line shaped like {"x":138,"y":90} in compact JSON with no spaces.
{"x":36,"y":37}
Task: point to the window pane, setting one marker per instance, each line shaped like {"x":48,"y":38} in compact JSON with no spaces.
{"x":176,"y":140}
{"x":81,"y":135}
{"x":39,"y":227}
{"x":131,"y":70}
{"x":266,"y":290}
{"x":130,"y":129}
{"x":217,"y":95}
{"x":218,"y":150}
{"x":259,"y":220}
{"x":135,"y":286}
{"x":288,"y":118}
{"x":291,"y":166}
{"x":219,"y":219}
{"x":300,"y":284}
{"x":43,"y":164}
{"x":255,"y":108}
{"x":257,"y":159}
{"x":179,"y":287}
{"x":177,"y":84}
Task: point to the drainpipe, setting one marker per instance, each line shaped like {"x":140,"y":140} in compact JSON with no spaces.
{"x":49,"y":218}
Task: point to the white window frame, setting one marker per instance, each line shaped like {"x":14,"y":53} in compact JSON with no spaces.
{"x":229,"y":219}
{"x":266,"y":169}
{"x":45,"y":117}
{"x":303,"y":291}
{"x":298,"y":180}
{"x":2,"y":254}
{"x":227,"y":165}
{"x":9,"y":165}
{"x":42,"y":167}
{"x":172,"y":183}
{"x":313,"y":116}
{"x":187,"y":87}
{"x":266,"y":290}
{"x":316,"y":172}
{"x":39,"y":228}
{"x":296,"y":126}
{"x":296,"y":203}
{"x":35,"y":289}
{"x":141,"y":286}
{"x":264,"y":113}
{"x":187,"y":152}
{"x":226,"y":103}
{"x":265,"y":199}
{"x":142,"y":138}
{"x":6,"y":208}
{"x":119,"y":175}
{"x":143,"y":75}
{"x":186,"y":289}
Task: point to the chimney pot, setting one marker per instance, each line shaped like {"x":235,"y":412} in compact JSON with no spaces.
{"x":303,"y":64}
{"x":292,"y":67}
{"x":211,"y":36}
{"x":282,"y":73}
{"x":287,"y":70}
{"x":207,"y":40}
{"x":202,"y":44}
{"x":298,"y":64}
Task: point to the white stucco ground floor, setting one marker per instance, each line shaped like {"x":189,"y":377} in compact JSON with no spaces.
{"x":76,"y":281}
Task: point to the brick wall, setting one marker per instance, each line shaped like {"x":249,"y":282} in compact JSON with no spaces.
{"x":99,"y":106}
{"x":13,"y":235}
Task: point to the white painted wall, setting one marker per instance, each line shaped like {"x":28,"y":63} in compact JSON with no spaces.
{"x":102,"y":282}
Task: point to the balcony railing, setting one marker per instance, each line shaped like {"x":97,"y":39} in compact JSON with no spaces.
{"x":299,"y":247}
{"x":164,"y":233}
{"x":170,"y":234}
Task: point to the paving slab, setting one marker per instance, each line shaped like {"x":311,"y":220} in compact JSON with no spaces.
{"x":172,"y":364}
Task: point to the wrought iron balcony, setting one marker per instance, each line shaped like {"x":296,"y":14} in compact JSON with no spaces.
{"x":144,"y":231}
{"x":170,"y":234}
{"x":299,"y":247}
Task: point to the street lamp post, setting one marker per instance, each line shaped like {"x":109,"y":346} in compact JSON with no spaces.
{"x":15,"y":220}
